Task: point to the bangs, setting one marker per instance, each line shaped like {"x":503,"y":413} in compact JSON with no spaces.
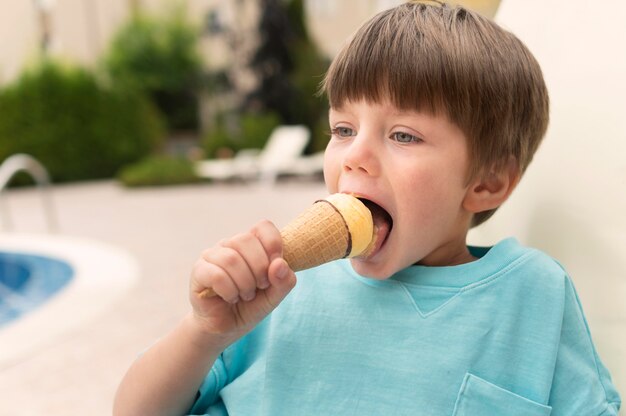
{"x":390,"y":58}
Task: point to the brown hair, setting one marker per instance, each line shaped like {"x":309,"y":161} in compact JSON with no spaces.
{"x":451,"y":61}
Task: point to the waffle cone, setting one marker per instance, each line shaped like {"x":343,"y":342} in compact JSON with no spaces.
{"x":337,"y":227}
{"x":318,"y":235}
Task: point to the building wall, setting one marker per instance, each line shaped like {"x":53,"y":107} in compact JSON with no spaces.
{"x":18,"y":36}
{"x":81,"y":29}
{"x":331,"y":22}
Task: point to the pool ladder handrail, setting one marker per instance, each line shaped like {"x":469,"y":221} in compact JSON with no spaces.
{"x":25,"y":163}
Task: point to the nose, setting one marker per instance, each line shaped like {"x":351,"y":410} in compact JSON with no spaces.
{"x":362,"y":156}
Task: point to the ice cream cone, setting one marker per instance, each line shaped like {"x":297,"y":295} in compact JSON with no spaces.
{"x":333,"y":228}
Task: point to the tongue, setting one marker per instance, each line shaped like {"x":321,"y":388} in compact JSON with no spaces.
{"x":381,"y":231}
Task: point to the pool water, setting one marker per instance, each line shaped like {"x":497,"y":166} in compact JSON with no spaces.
{"x":27,"y":281}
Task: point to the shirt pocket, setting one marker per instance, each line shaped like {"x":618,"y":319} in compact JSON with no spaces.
{"x":478,"y":397}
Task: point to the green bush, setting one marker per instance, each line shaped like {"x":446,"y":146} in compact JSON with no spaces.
{"x":159,"y":57}
{"x":158,"y":171}
{"x":73,"y":125}
{"x":248,"y":131}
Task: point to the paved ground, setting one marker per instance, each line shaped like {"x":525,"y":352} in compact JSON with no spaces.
{"x":165,"y":230}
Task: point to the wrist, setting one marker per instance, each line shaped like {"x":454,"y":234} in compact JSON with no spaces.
{"x":201,"y":337}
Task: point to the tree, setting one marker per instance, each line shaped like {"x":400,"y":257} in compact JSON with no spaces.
{"x":272,"y":63}
{"x":288,"y":67}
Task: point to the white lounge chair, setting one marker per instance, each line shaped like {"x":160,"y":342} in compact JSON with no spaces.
{"x":283,"y":147}
{"x":309,"y":165}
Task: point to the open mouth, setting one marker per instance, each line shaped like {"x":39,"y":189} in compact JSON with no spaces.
{"x":383,"y":224}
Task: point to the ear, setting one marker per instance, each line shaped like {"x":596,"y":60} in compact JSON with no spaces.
{"x":489,"y":190}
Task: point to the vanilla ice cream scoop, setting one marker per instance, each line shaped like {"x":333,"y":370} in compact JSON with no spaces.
{"x":336,"y":227}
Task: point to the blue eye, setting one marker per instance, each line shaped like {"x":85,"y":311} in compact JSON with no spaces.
{"x":402,"y":137}
{"x":343,"y":132}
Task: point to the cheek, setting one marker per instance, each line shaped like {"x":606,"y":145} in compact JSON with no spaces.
{"x":332,"y":168}
{"x":432,"y":196}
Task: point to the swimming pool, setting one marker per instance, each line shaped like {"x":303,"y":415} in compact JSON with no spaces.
{"x":56,"y":284}
{"x":27,"y":281}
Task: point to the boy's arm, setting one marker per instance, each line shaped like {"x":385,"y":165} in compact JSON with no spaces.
{"x":165,"y":379}
{"x":247,"y":270}
{"x":581,"y":383}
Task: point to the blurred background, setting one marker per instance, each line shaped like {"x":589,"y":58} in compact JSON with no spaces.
{"x":117,"y":101}
{"x":89,"y":87}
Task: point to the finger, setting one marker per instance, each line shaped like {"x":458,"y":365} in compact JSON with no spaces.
{"x":233,"y":263}
{"x":267,"y":300}
{"x":282,"y":280}
{"x":270,"y":238}
{"x":253,"y":252}
{"x":208,"y":275}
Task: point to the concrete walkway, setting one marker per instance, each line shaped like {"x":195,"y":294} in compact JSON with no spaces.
{"x":165,"y":230}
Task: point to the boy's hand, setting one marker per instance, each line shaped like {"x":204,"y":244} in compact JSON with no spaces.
{"x":249,"y":276}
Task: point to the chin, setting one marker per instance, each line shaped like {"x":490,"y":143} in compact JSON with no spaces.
{"x":372,"y":270}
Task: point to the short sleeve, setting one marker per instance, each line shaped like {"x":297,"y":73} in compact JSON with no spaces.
{"x":208,"y":394}
{"x":581,"y":384}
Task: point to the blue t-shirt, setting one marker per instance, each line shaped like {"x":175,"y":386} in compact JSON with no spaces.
{"x":503,"y":335}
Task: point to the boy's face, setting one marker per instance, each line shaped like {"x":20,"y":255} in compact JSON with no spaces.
{"x":414,"y":165}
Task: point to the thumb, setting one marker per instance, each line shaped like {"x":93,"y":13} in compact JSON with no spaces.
{"x":282,"y":280}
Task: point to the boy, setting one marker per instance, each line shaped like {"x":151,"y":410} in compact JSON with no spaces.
{"x":435,"y":114}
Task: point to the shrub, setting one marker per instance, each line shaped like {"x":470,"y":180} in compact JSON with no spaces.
{"x":248,"y":131}
{"x":74,"y":126}
{"x":158,"y":171}
{"x":159,"y":57}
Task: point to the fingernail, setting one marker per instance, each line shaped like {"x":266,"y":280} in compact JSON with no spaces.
{"x":264,"y":284}
{"x":234,"y":300}
{"x":248,"y":296}
{"x":282,"y":271}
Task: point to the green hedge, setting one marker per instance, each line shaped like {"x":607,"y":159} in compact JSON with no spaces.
{"x":247,"y":131}
{"x":78,"y":128}
{"x":159,"y":171}
{"x":159,"y":56}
